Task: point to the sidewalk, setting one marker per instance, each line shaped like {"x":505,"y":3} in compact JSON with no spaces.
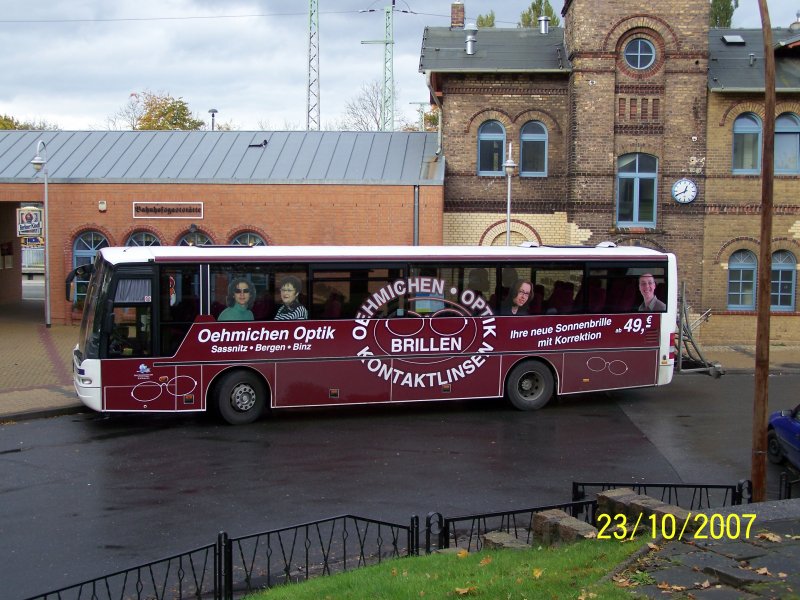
{"x":36,"y":363}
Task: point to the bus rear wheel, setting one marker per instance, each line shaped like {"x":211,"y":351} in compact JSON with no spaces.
{"x":241,"y":397}
{"x":530,"y":385}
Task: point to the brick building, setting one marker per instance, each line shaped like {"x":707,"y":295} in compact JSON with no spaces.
{"x":634,"y":123}
{"x":166,"y":187}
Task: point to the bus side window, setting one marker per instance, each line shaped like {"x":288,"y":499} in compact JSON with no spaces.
{"x":128,"y":332}
{"x":178,"y":304}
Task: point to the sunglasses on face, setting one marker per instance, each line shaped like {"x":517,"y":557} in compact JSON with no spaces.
{"x":242,"y":290}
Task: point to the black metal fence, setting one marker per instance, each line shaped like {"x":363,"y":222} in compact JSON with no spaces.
{"x":234,"y":566}
{"x":691,"y":496}
{"x":787,"y":481}
{"x":465,"y":531}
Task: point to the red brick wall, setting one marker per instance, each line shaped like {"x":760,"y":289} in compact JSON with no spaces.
{"x":283,"y":214}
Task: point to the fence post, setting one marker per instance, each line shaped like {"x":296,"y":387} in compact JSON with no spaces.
{"x":744,"y":492}
{"x":413,"y":536}
{"x":223,"y":563}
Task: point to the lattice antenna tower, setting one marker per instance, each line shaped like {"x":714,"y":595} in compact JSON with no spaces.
{"x":312,"y":93}
{"x":387,"y":88}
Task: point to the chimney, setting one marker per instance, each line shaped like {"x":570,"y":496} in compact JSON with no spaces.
{"x":544,"y":25}
{"x":457,"y":15}
{"x":471,"y":37}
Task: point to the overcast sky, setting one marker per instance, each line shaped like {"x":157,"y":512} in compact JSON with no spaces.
{"x":74,"y":64}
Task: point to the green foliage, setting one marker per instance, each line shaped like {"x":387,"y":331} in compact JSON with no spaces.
{"x":146,"y":110}
{"x":722,"y":12}
{"x":569,"y":571}
{"x":538,"y":8}
{"x":486,"y":20}
{"x":166,"y":113}
{"x":9,"y":122}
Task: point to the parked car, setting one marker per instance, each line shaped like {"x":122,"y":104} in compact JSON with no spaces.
{"x":783,"y":437}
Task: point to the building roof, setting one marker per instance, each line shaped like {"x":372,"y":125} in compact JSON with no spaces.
{"x":232,"y":157}
{"x":511,"y":50}
{"x":736,"y":60}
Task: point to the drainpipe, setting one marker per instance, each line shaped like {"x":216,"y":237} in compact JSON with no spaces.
{"x":416,"y":215}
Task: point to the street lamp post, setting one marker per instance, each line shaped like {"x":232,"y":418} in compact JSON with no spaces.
{"x":213,"y":112}
{"x":39,"y":163}
{"x":509,"y":167}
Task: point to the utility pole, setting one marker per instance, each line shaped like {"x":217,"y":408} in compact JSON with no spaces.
{"x":312,"y":94}
{"x":758,"y":475}
{"x":387,"y":89}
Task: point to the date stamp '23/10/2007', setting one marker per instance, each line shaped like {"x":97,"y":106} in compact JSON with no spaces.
{"x":696,"y":526}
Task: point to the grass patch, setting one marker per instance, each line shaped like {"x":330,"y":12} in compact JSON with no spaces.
{"x":570,"y":571}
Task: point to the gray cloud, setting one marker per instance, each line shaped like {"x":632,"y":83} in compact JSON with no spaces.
{"x":75,"y":64}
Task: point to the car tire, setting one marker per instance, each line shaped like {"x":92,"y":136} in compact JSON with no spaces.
{"x":774,"y":451}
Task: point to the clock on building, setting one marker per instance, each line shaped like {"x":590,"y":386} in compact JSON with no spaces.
{"x":684,"y":190}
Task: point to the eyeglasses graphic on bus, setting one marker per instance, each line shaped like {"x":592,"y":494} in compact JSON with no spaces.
{"x":179,"y":386}
{"x":615,"y":367}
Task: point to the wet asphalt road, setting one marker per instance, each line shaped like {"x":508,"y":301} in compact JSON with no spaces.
{"x":86,"y":495}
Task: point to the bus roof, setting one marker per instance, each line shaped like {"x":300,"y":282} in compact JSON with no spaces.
{"x":184,"y":254}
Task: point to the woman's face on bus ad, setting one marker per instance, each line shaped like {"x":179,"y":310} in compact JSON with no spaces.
{"x":288,"y":294}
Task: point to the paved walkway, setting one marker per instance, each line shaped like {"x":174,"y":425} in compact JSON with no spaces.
{"x":36,"y":362}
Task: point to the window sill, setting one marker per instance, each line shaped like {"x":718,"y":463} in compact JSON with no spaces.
{"x":632,"y":228}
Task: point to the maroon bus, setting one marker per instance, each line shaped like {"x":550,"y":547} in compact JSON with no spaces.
{"x":240,"y":330}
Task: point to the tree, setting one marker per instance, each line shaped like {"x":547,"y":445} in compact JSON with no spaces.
{"x":484,"y":21}
{"x":147,"y":110}
{"x":363,"y":113}
{"x":538,"y":8}
{"x":722,"y":12}
{"x":9,"y":122}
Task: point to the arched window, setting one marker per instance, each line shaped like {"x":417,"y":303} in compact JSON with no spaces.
{"x":533,"y":154}
{"x":787,"y":144}
{"x":195,"y":238}
{"x":747,"y":144}
{"x":84,"y":250}
{"x":491,"y":148}
{"x":640,"y":54}
{"x":782,"y":281}
{"x":742,"y":280}
{"x":248,"y":238}
{"x":142,"y":238}
{"x":636,"y":190}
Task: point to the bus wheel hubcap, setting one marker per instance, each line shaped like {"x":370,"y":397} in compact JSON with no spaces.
{"x":528,"y":385}
{"x":243,"y":397}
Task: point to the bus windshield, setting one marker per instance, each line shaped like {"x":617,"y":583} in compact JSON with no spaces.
{"x":89,"y":337}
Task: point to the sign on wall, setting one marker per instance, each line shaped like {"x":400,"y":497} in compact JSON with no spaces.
{"x":167,"y":210}
{"x":29,"y":221}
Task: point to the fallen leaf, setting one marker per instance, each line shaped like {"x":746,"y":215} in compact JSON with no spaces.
{"x":537,"y":573}
{"x":772,"y":537}
{"x":485,"y":561}
{"x":782,"y":575}
{"x":763,"y":571}
{"x":462,"y":553}
{"x":466,"y":590}
{"x":394,"y":572}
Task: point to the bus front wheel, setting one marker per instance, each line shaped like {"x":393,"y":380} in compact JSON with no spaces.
{"x":530,"y":385}
{"x":241,"y":397}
